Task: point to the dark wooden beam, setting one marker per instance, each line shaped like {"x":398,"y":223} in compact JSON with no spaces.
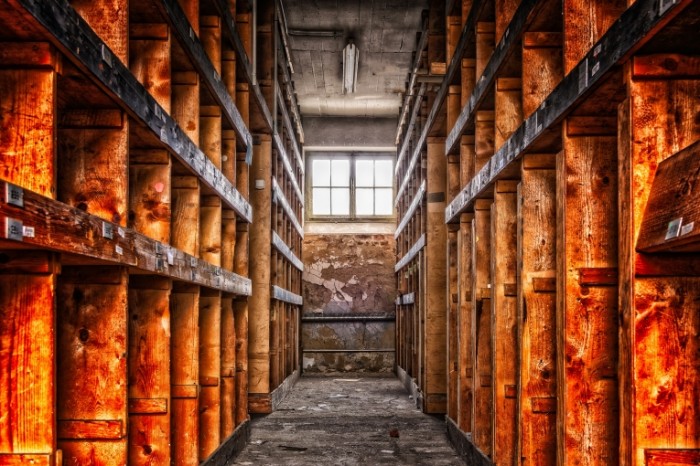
{"x":285,"y":250}
{"x":280,"y":294}
{"x":411,"y":210}
{"x":411,"y":254}
{"x":279,"y":197}
{"x":40,"y":222}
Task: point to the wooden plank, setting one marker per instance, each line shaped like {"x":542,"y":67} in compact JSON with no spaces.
{"x":286,"y":296}
{"x":409,"y":100}
{"x":286,"y":251}
{"x":505,"y":10}
{"x":27,"y":325}
{"x":412,"y":122}
{"x":656,"y":120}
{"x":642,"y":19}
{"x":536,"y":415}
{"x":149,"y":370}
{"x":586,"y":368}
{"x":21,"y":459}
{"x":485,"y":43}
{"x":666,"y":66}
{"x":228,"y":368}
{"x":411,"y":254}
{"x":465,"y":386}
{"x":410,"y":212}
{"x":542,"y":53}
{"x":674,"y":457}
{"x":585,"y":22}
{"x":210,"y":217}
{"x":185,"y":193}
{"x":184,"y":370}
{"x":149,"y":194}
{"x":508,"y":109}
{"x":240,"y":312}
{"x":260,"y":249}
{"x":452,"y":323}
{"x":90,"y":430}
{"x":149,"y":60}
{"x":672,"y":210}
{"x":278,"y":197}
{"x":484,"y":138}
{"x":64,"y":26}
{"x":210,"y":351}
{"x":481,"y":428}
{"x":28,"y":144}
{"x":92,"y":344}
{"x":503,"y":314}
{"x":453,"y":108}
{"x":110,"y":20}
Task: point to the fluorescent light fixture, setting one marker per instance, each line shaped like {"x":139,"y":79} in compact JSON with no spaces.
{"x":351,"y":57}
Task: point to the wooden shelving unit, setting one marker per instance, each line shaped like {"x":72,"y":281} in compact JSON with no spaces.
{"x":562,"y":318}
{"x":126,"y":214}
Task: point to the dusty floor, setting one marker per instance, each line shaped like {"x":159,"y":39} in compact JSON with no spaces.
{"x":344,"y":421}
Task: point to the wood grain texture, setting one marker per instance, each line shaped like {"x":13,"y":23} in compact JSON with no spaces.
{"x":508,"y":109}
{"x":92,"y":363}
{"x":27,"y":129}
{"x":149,"y":194}
{"x":240,"y":316}
{"x":485,"y":43}
{"x":260,"y":249}
{"x":27,"y":328}
{"x":481,"y":330}
{"x":184,"y":234}
{"x":210,"y":226}
{"x":184,"y":374}
{"x":149,"y":62}
{"x":505,"y":9}
{"x":149,"y":370}
{"x":543,"y":54}
{"x":210,"y":320}
{"x":587,"y":323}
{"x":465,"y":323}
{"x":536,"y":317}
{"x":228,"y":368}
{"x":452,"y":323}
{"x":503,"y":320}
{"x":484,"y":138}
{"x":110,"y":20}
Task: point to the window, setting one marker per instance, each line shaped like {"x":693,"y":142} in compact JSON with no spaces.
{"x":351,"y":186}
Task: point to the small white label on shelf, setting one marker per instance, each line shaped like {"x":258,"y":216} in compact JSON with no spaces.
{"x":107,"y":230}
{"x":193,"y":262}
{"x":13,"y":229}
{"x":14,"y":195}
{"x":687,"y":228}
{"x":121,"y":232}
{"x":171,"y":257}
{"x":28,"y":232}
{"x":118,"y":249}
{"x":595,"y":69}
{"x":674,"y":228}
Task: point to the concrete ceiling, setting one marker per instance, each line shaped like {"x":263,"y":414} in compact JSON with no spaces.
{"x":385,"y":32}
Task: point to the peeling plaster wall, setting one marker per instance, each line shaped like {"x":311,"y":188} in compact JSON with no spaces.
{"x":349,"y":291}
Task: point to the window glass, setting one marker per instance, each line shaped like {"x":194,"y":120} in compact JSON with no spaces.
{"x":364,"y":172}
{"x":340,"y":201}
{"x":383,"y":173}
{"x":364,"y":201}
{"x":321,"y":201}
{"x":321,"y":170}
{"x":340,"y":173}
{"x":383,"y":201}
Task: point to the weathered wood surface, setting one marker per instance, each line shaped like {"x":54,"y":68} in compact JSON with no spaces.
{"x":504,"y":320}
{"x":536,"y":314}
{"x":481,"y":326}
{"x":149,"y":370}
{"x":465,"y":322}
{"x":210,"y":352}
{"x":620,"y":40}
{"x":228,"y":368}
{"x":260,"y":249}
{"x":149,"y":194}
{"x":587,"y":226}
{"x":544,"y":68}
{"x":91,"y":382}
{"x":184,"y":374}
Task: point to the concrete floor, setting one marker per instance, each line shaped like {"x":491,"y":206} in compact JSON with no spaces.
{"x":348,"y":421}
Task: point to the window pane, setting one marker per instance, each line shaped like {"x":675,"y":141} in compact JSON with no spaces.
{"x":384,"y":174}
{"x":321,"y":201}
{"x":364,"y":201}
{"x":340,"y":201}
{"x":340,"y":173}
{"x":364,"y":171}
{"x":383,"y":204}
{"x":321,"y":170}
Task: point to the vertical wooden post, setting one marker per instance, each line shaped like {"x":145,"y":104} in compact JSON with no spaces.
{"x":467,"y":159}
{"x":544,"y":68}
{"x":435,"y":279}
{"x":228,"y":368}
{"x":508,"y":109}
{"x":228,"y":239}
{"x":210,"y":229}
{"x":210,"y":35}
{"x":503,"y":319}
{"x":260,"y":249}
{"x":468,"y":80}
{"x":505,"y":9}
{"x":587,"y":315}
{"x":465,"y":343}
{"x":481,"y":321}
{"x":209,"y":372}
{"x":537,"y":311}
{"x":484,"y":135}
{"x":210,"y":133}
{"x":185,"y":214}
{"x":660,"y":328}
{"x":452,"y":322}
{"x":149,"y":193}
{"x":228,"y":155}
{"x":27,"y":297}
{"x":485,"y":43}
{"x":149,"y":59}
{"x":91,"y":367}
{"x":185,"y":102}
{"x":453,"y":31}
{"x":453,"y":107}
{"x":240,"y":316}
{"x":184,"y":370}
{"x":149,"y":370}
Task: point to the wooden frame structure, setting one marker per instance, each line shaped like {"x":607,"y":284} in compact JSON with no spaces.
{"x":561,"y":275}
{"x":126,"y":215}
